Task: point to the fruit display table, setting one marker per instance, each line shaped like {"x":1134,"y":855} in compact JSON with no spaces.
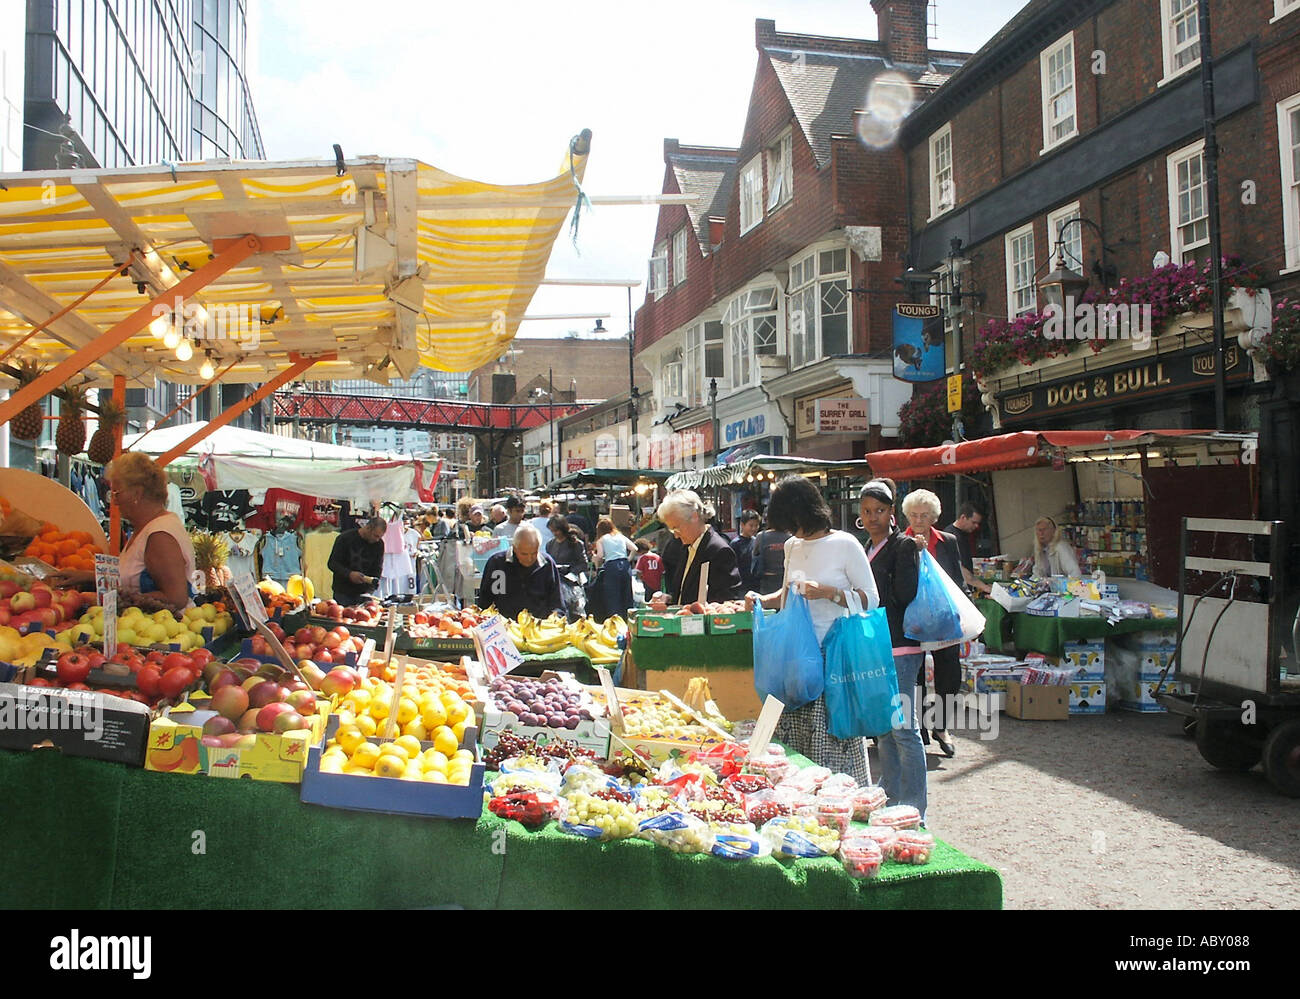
{"x":120,"y":838}
{"x":727,"y":661}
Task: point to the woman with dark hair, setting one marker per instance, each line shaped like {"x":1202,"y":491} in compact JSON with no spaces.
{"x":823,"y":563}
{"x":567,"y":547}
{"x":895,"y":561}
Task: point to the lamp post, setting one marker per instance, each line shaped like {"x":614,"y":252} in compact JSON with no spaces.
{"x":631,"y":375}
{"x":713,"y":422}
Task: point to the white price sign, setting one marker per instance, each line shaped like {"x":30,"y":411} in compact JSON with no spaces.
{"x":496,"y":651}
{"x":248,"y":601}
{"x":611,"y":699}
{"x":765,"y":726}
{"x":109,"y":603}
{"x":107,"y":574}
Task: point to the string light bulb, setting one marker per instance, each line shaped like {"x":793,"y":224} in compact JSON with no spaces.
{"x":184,"y":351}
{"x":160,"y":325}
{"x":171,"y":338}
{"x":207,"y":370}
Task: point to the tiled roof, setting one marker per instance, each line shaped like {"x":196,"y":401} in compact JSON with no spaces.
{"x":709,"y":173}
{"x":826,"y":88}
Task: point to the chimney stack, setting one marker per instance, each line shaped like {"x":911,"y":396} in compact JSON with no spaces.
{"x":903,"y":29}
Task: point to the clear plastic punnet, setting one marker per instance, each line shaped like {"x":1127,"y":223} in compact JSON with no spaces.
{"x":862,"y":857}
{"x":867,"y":800}
{"x":912,"y":846}
{"x":896,"y":817}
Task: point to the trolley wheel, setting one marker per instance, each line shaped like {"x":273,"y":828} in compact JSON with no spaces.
{"x":1282,"y":758}
{"x":1227,"y":746}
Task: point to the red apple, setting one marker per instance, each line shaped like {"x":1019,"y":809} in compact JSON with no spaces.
{"x":42,"y":596}
{"x":332,"y":641}
{"x":266,"y":692}
{"x":8,"y":588}
{"x":317,"y":634}
{"x":218,"y":725}
{"x":267,"y":715}
{"x":73,"y":667}
{"x":303,"y":634}
{"x":224,"y":678}
{"x":277,"y":631}
{"x":289,"y":721}
{"x":230,"y":702}
{"x":324,"y":656}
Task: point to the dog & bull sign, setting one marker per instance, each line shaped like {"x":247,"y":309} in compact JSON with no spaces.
{"x":1146,"y":378}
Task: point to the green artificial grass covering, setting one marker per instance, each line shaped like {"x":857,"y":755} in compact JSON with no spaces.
{"x":101,"y":835}
{"x":699,"y":652}
{"x":1048,"y":634}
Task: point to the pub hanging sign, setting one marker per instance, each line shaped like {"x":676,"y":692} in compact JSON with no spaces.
{"x":1147,"y":377}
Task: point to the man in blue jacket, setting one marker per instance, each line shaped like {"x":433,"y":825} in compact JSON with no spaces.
{"x":522,"y":578}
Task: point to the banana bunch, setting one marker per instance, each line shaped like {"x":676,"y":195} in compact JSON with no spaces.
{"x":599,"y":643}
{"x":538,"y":637}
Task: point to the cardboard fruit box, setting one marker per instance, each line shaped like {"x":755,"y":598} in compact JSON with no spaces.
{"x":75,"y":722}
{"x":655,"y":748}
{"x":1038,"y":702}
{"x":175,"y":746}
{"x":590,"y":734}
{"x":393,"y":795}
{"x":357,"y":660}
{"x":729,"y":624}
{"x":403,"y":642}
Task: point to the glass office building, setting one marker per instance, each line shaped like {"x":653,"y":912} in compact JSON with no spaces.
{"x":114,"y":83}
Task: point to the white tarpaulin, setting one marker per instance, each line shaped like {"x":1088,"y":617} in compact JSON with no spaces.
{"x":248,"y":459}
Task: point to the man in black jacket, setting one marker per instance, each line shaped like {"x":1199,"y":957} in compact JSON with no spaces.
{"x":357,"y":561}
{"x":694,"y":544}
{"x":523,"y":577}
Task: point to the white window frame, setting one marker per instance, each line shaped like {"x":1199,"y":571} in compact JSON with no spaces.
{"x":1073,"y":240}
{"x":679,"y":256}
{"x":741,"y":314}
{"x":1281,"y":8}
{"x":1290,"y":180}
{"x":1045,"y":78}
{"x":937,"y":205}
{"x":811,"y":283}
{"x":780,"y":171}
{"x":673,"y":379}
{"x":1011,"y":240}
{"x":750,"y":191}
{"x":1176,"y":249}
{"x":1167,"y":43}
{"x":659,"y":271}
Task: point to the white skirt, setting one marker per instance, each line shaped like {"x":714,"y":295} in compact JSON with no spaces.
{"x":398,"y":566}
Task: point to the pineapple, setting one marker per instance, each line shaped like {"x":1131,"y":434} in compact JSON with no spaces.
{"x":70,"y":438}
{"x":27,"y":424}
{"x":210,"y":554}
{"x":111,"y":416}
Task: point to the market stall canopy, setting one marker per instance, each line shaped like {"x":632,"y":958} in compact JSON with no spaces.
{"x":1028,"y":448}
{"x":762,"y":466}
{"x":370,"y":264}
{"x":246,"y":459}
{"x":603,"y":477}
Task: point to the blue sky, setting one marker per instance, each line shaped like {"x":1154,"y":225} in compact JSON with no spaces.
{"x":494,"y":91}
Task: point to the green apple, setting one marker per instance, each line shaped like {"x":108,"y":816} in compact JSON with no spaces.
{"x":128,"y":635}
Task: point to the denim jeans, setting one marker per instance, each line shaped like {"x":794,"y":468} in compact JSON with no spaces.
{"x":902,"y":757}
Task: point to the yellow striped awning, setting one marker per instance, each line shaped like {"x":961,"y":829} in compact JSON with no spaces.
{"x":391,"y":263}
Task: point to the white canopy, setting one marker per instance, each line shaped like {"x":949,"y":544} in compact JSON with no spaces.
{"x":248,"y":459}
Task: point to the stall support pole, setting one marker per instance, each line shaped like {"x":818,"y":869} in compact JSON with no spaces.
{"x":114,"y":511}
{"x":228,"y":256}
{"x":300,"y":364}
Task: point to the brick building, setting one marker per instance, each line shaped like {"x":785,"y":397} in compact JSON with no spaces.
{"x":751,"y":286}
{"x":1092,"y":110}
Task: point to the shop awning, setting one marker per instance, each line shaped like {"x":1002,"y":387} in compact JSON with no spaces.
{"x":607,"y":477}
{"x":371,"y":265}
{"x":1018,"y":450}
{"x":762,"y":466}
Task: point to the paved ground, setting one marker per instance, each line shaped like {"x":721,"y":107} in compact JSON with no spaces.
{"x":1115,"y":811}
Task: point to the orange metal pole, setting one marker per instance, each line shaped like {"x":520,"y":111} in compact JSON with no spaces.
{"x":114,"y":511}
{"x":299,"y":365}
{"x":229,"y":256}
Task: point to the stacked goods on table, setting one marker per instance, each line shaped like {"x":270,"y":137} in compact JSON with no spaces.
{"x":136,"y":625}
{"x":281,"y":601}
{"x":657,"y":726}
{"x":29,"y":606}
{"x":71,"y":550}
{"x":723,"y":804}
{"x":252,"y":719}
{"x":725,"y":617}
{"x":369,"y":614}
{"x":598,"y":642}
{"x":312,"y":646}
{"x":428,"y":767}
{"x":449,"y":623}
{"x":549,"y":707}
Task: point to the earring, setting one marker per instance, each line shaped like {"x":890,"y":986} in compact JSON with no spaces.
{"x":861,"y":526}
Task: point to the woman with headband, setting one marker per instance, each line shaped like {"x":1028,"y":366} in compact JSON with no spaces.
{"x":1053,"y":555}
{"x":894,"y":559}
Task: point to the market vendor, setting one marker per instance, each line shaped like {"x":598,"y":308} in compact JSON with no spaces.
{"x":694,"y":544}
{"x":158,"y":561}
{"x":1053,"y":555}
{"x":357,"y":561}
{"x":523,"y":578}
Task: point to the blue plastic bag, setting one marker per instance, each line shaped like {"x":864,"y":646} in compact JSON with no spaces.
{"x":932,"y":616}
{"x":861,"y":682}
{"x":787,"y":658}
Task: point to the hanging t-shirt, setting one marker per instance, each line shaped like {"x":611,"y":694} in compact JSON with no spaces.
{"x":243,"y":552}
{"x":225,"y":510}
{"x":281,"y":556}
{"x":316,"y":548}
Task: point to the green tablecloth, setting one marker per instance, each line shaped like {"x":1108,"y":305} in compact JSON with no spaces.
{"x":703,"y":652}
{"x":112,"y":837}
{"x":1048,"y":634}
